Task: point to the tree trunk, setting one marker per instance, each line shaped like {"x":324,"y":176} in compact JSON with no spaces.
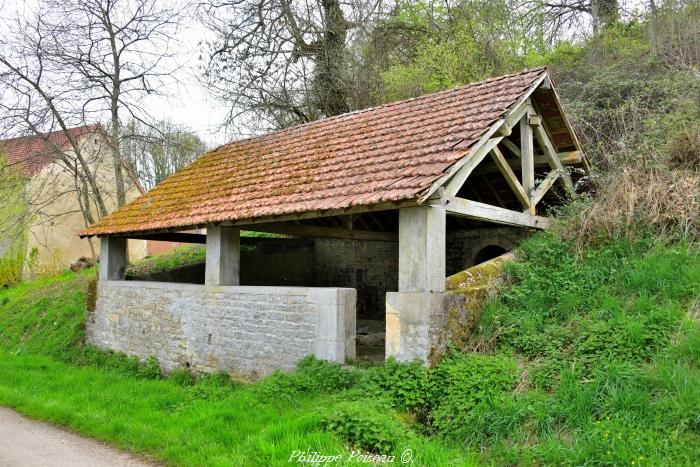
{"x":329,"y":81}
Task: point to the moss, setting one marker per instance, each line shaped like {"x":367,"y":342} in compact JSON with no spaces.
{"x":479,"y":275}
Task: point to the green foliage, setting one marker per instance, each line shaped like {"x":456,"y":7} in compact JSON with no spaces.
{"x":461,"y":385}
{"x":13,"y":221}
{"x":405,"y":385}
{"x":431,"y":47}
{"x":11,"y":265}
{"x":312,"y":377}
{"x":183,"y":377}
{"x":178,"y":257}
{"x":366,"y":426}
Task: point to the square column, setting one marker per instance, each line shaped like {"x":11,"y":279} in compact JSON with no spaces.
{"x":223,"y":256}
{"x":112,"y":258}
{"x":414,"y":313}
{"x":422,"y":249}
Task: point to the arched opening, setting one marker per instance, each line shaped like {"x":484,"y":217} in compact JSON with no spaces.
{"x":488,"y":252}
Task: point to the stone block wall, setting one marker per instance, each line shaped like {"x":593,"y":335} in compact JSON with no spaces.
{"x":420,"y":325}
{"x":247,"y":331}
{"x":370,"y":267}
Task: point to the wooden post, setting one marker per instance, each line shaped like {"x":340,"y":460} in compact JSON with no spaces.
{"x":527,"y":155}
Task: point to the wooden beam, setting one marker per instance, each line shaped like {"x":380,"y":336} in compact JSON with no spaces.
{"x":510,"y":177}
{"x":306,"y":230}
{"x":520,"y":109}
{"x":472,"y":161}
{"x":477,"y":150}
{"x":553,"y":158}
{"x":511,"y":147}
{"x":527,"y":158}
{"x":171,"y":237}
{"x":544,"y":186}
{"x":567,"y":123}
{"x":566,"y":158}
{"x":485,"y":212}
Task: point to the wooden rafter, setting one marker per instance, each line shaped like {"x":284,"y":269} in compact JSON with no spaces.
{"x":553,"y":157}
{"x":466,"y":169}
{"x":512,"y":147}
{"x":510,"y":177}
{"x":544,"y":186}
{"x":306,"y":230}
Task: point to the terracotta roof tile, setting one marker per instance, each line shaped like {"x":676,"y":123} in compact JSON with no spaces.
{"x":387,"y":153}
{"x":30,"y":154}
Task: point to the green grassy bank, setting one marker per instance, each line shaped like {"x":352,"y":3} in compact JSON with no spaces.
{"x":580,"y":360}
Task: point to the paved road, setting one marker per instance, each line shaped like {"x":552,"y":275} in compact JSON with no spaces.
{"x":28,"y":443}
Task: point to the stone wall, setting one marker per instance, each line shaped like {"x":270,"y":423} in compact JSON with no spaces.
{"x":463,"y":246}
{"x":420,"y":325}
{"x":247,"y":331}
{"x":370,"y":267}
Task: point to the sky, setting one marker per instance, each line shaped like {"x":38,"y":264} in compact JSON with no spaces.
{"x":187,"y":102}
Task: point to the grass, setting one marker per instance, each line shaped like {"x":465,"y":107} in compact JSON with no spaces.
{"x":182,"y":256}
{"x":578,"y":361}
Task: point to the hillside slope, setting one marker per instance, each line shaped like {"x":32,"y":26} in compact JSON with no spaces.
{"x":579,"y":360}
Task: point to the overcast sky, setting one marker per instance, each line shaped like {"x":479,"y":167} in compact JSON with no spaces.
{"x":187,"y":102}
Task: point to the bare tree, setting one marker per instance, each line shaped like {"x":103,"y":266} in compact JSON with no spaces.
{"x":77,"y":61}
{"x":572,"y":14}
{"x":157,"y":151}
{"x":279,"y":63}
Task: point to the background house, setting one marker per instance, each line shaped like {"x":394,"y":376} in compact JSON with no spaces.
{"x":52,"y":192}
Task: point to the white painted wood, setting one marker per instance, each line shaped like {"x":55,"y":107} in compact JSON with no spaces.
{"x":485,"y":212}
{"x":511,"y":146}
{"x":467,"y":160}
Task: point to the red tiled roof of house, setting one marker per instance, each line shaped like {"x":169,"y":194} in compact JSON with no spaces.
{"x":388,"y":153}
{"x":30,"y":154}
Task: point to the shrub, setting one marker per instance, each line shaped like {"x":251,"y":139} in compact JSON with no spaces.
{"x":312,"y":377}
{"x":463,"y":382}
{"x":366,"y":426}
{"x":637,"y":202}
{"x":405,"y":384}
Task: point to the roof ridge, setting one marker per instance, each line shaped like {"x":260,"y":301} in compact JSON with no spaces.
{"x":382,"y":106}
{"x":50,"y":134}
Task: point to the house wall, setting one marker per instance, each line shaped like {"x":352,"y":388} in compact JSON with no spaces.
{"x":57,"y":216}
{"x":247,"y":331}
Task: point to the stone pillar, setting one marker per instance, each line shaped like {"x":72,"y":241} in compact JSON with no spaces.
{"x":414,"y":314}
{"x":223,"y":256}
{"x":422,"y":249}
{"x":112,"y":258}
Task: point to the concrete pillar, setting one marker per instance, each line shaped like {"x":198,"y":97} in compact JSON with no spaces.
{"x":112,"y":258}
{"x":414,"y":313}
{"x":422,"y":249}
{"x":223,"y":256}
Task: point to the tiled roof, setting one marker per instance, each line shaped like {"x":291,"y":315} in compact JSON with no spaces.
{"x":30,"y":154}
{"x":387,"y":153}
